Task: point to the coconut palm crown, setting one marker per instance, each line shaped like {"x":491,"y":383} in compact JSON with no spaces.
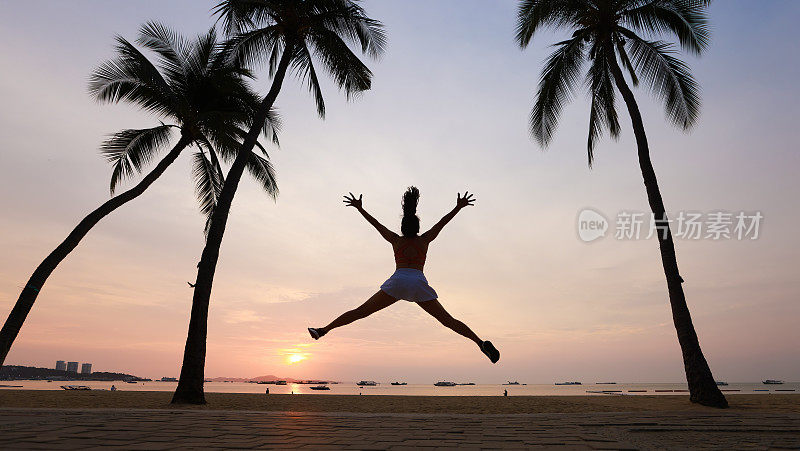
{"x":196,"y":87}
{"x":607,"y":34}
{"x":314,"y":29}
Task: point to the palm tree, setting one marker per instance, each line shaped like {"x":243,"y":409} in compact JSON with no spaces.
{"x":194,"y":86}
{"x":284,"y":33}
{"x":608,"y":35}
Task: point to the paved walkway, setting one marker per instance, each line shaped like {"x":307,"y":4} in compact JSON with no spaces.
{"x":170,"y":429}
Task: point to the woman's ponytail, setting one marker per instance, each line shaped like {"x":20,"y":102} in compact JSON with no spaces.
{"x":410,"y":224}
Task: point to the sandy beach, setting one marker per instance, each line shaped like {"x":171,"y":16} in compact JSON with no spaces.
{"x":390,"y":404}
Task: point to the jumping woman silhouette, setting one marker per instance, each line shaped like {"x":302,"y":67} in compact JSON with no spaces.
{"x":408,"y":282}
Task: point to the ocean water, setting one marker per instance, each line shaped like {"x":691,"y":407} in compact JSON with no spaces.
{"x":384,"y":388}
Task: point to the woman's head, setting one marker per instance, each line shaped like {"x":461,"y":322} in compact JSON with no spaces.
{"x":410,"y":224}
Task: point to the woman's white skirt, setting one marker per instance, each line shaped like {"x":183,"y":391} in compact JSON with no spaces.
{"x":409,"y":284}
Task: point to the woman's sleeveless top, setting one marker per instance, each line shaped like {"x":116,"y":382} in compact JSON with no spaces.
{"x":408,"y":253}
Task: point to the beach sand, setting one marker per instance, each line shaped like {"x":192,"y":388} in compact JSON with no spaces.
{"x":390,"y":404}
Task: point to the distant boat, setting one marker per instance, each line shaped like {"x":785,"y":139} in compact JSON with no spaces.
{"x":511,"y":383}
{"x":569,"y":383}
{"x":606,"y":383}
{"x":445,"y":384}
{"x":605,"y":392}
{"x":169,"y":379}
{"x":320,"y":387}
{"x":466,"y":383}
{"x":131,"y":382}
{"x":280,"y":382}
{"x":772,"y":382}
{"x":722,"y":383}
{"x":399,"y":383}
{"x":76,"y":387}
{"x":264,"y":382}
{"x":367,"y":383}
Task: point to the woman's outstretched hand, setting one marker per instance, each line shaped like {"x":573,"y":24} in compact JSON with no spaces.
{"x":466,"y":201}
{"x":352,"y":201}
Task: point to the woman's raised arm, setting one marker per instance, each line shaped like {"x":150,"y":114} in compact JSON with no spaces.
{"x":461,"y":202}
{"x":387,"y":234}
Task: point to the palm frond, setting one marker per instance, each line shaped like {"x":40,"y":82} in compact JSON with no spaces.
{"x":305,"y":65}
{"x":686,"y":19}
{"x":261,"y":169}
{"x":201,"y":54}
{"x":349,"y":73}
{"x":556,"y":84}
{"x":133,"y":78}
{"x":349,"y":21}
{"x":208,"y":184}
{"x":534,"y":15}
{"x":131,"y":149}
{"x":253,"y":47}
{"x":238,"y":15}
{"x":172,"y":49}
{"x":603,"y":112}
{"x":668,"y":77}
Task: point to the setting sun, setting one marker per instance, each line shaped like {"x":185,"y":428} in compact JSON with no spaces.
{"x":294,"y":358}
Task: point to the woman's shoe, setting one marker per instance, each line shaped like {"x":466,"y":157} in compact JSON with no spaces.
{"x":488,"y":348}
{"x":315,"y":333}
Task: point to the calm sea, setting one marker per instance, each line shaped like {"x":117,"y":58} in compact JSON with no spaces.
{"x":627,"y":389}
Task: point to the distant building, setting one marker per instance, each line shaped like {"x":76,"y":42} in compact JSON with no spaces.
{"x":61,"y":365}
{"x":72,"y":367}
{"x":86,"y":368}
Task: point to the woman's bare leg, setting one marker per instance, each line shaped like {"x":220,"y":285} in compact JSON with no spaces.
{"x":378,"y":301}
{"x":437,"y":311}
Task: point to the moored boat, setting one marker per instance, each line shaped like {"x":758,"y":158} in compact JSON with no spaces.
{"x":76,"y":387}
{"x":399,"y":383}
{"x":772,"y":382}
{"x":367,"y":383}
{"x":445,"y":384}
{"x":569,"y":383}
{"x":320,"y":387}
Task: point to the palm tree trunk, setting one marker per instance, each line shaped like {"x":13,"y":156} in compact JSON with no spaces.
{"x":37,"y":280}
{"x":190,"y":384}
{"x":702,"y":387}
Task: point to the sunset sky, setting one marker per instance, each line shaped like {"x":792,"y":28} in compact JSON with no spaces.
{"x":448,"y":112}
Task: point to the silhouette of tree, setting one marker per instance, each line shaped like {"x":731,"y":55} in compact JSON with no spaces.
{"x":284,"y":34}
{"x":607,"y":34}
{"x":204,"y":96}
